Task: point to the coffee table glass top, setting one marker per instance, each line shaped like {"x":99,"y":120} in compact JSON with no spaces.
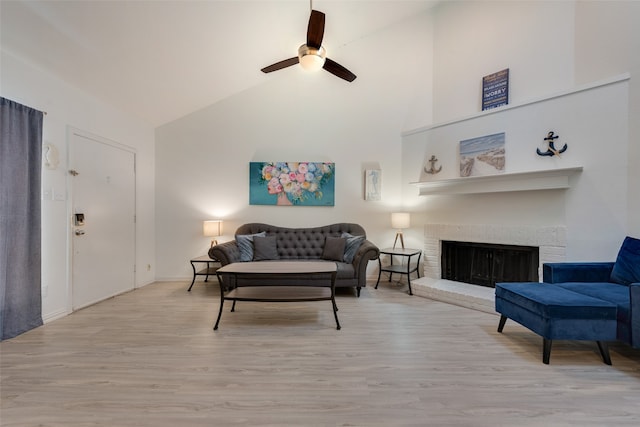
{"x":279,"y":267}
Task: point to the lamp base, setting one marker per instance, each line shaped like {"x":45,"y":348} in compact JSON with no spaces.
{"x":214,"y":242}
{"x":398,"y":234}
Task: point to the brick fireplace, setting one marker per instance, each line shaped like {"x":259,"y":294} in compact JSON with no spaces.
{"x":550,"y":240}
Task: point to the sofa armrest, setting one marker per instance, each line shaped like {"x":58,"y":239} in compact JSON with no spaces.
{"x":634,"y":306}
{"x":366,"y":252}
{"x":226,"y":253}
{"x":576,"y":272}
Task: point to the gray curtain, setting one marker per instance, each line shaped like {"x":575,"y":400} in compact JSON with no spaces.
{"x":20,"y":229}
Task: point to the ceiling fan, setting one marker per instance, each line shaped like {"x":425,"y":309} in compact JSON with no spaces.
{"x":312,"y":56}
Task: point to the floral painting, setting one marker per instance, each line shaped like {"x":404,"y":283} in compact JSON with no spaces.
{"x":292,"y":183}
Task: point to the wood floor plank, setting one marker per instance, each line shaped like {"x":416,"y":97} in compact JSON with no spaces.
{"x":151,"y":358}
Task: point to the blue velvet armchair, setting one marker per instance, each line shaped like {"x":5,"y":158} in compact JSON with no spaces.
{"x":616,"y":282}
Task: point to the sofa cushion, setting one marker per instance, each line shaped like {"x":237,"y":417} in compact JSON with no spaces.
{"x":352,"y":246}
{"x":264,"y":248}
{"x":626,"y":270}
{"x":334,"y":248}
{"x":245,"y":245}
{"x":552,"y":301}
{"x":612,"y":292}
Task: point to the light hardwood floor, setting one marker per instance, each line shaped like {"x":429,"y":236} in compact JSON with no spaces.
{"x":151,"y":358}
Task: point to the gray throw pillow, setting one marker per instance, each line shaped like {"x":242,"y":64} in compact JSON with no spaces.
{"x":334,"y":248}
{"x":245,"y":245}
{"x":352,"y":246}
{"x":265,"y":248}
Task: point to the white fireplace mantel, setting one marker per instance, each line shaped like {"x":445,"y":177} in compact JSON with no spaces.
{"x":550,"y":179}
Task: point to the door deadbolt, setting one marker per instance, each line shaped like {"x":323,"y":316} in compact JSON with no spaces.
{"x":78,"y":219}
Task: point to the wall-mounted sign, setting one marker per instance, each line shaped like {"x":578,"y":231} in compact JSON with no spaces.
{"x":495,"y":90}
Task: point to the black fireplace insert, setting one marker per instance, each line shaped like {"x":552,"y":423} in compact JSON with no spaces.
{"x":485,"y":264}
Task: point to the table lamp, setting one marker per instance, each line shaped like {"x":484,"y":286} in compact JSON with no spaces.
{"x":212,"y":229}
{"x":399,"y":221}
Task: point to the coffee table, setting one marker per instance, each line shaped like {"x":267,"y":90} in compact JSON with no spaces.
{"x":289,"y":272}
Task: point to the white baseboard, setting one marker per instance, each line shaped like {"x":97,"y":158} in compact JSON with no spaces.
{"x":174,"y":279}
{"x":50,"y":317}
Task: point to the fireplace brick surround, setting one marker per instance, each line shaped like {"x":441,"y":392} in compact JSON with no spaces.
{"x":551,"y":241}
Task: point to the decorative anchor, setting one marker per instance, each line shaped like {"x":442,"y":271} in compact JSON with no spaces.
{"x":433,"y":170}
{"x":551,"y":151}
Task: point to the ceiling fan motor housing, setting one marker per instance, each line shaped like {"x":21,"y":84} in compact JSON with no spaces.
{"x":311,"y":58}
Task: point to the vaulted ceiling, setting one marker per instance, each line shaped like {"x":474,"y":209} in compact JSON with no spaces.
{"x":161,"y":60}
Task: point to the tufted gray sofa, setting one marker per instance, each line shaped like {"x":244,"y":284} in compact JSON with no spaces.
{"x":307,"y":244}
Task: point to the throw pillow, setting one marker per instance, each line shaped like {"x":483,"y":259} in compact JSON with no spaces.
{"x":352,"y":246}
{"x":626,"y":270}
{"x":334,"y":248}
{"x":265,"y":248}
{"x":245,"y":245}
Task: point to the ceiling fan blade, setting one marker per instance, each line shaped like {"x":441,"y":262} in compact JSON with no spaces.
{"x":315,"y":31}
{"x":280,"y":65}
{"x":338,"y":70}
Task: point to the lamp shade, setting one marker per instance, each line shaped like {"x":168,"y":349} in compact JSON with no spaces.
{"x":400,"y":220}
{"x":212,"y":228}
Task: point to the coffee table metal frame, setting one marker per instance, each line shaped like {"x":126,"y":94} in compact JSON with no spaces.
{"x":278,"y":293}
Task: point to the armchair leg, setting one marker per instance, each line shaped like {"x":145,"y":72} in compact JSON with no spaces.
{"x":604,"y":352}
{"x":503,"y":320}
{"x":546,"y":350}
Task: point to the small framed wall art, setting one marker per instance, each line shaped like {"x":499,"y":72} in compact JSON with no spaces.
{"x":372,"y":184}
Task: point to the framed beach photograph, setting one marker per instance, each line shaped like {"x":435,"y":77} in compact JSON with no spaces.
{"x":292,"y":183}
{"x":484,"y":155}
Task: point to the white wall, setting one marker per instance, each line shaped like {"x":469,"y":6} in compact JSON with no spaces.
{"x":534,"y":39}
{"x":65,"y":105}
{"x":634,"y":123}
{"x":202,"y":160}
{"x":548,"y":47}
{"x":614,"y":48}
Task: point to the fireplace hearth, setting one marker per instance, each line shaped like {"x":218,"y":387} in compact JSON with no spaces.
{"x":485,"y":264}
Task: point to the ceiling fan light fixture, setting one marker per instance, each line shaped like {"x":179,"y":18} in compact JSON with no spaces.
{"x":310,"y":58}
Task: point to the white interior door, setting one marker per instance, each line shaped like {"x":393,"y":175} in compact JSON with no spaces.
{"x":103,"y":218}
